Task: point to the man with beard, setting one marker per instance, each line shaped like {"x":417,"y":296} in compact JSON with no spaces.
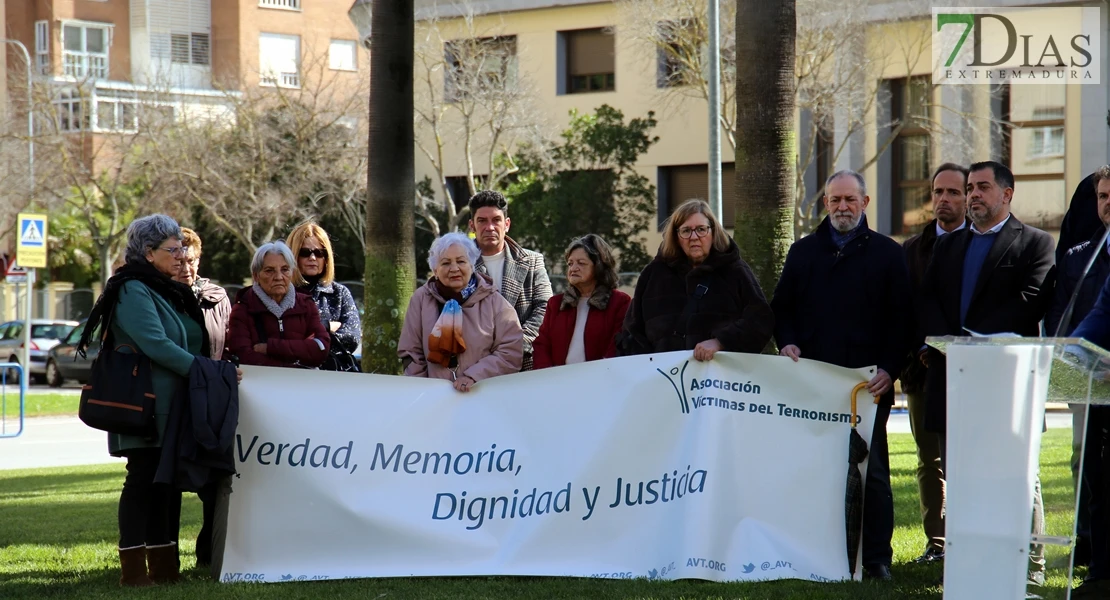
{"x":950,"y":208}
{"x":844,"y":298}
{"x":992,"y":277}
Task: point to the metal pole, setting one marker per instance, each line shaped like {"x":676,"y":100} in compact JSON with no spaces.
{"x":30,"y":115}
{"x":715,"y":110}
{"x":25,"y":381}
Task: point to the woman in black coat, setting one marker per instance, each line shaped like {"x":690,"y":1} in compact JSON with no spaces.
{"x":698,"y":294}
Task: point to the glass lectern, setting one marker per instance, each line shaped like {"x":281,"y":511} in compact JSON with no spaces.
{"x":997,"y":389}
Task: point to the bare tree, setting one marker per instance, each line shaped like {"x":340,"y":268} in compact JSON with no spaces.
{"x":838,"y":81}
{"x":269,"y":156}
{"x":86,"y":158}
{"x":471,"y":100}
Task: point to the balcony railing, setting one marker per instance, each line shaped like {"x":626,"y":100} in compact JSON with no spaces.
{"x":83,"y":64}
{"x":288,"y":80}
{"x":282,"y":4}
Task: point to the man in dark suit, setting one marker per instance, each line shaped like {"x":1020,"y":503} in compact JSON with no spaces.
{"x":1073,"y":279}
{"x":844,"y":298}
{"x":1096,"y":476}
{"x":993,"y":277}
{"x":950,"y":208}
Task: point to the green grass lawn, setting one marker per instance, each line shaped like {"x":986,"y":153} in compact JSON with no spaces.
{"x":39,"y":404}
{"x":58,"y":540}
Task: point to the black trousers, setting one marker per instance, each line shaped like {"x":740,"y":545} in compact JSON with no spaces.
{"x":144,"y":506}
{"x":878,"y":499}
{"x":1096,"y":482}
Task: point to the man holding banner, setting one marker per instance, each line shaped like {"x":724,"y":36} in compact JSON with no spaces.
{"x":844,"y":298}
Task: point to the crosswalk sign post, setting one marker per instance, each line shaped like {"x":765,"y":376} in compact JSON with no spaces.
{"x":31,"y":246}
{"x":30,"y":252}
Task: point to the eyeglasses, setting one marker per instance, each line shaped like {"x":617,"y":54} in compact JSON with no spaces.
{"x":175,"y":251}
{"x":686,"y":232}
{"x":317,"y":252}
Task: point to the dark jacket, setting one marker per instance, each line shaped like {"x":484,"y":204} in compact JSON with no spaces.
{"x":919,"y":251}
{"x":201,"y":429}
{"x":335,"y":303}
{"x":850,"y":307}
{"x":287,"y":341}
{"x":1011,"y":295}
{"x":732,"y":307}
{"x":1068,"y":274}
{"x":146,"y":322}
{"x":1081,"y":221}
{"x":217,"y":310}
{"x":603,"y":322}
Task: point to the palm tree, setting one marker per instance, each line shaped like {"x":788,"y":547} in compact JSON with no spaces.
{"x":765,"y":145}
{"x":390,"y":264}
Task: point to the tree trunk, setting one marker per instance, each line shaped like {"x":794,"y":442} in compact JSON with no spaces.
{"x":765,"y":142}
{"x":390,"y":265}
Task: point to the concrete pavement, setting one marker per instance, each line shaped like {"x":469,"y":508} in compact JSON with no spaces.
{"x":54,"y":442}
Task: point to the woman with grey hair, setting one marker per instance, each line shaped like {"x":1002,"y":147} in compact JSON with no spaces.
{"x":271,"y":324}
{"x":162,"y":320}
{"x":457,"y":326}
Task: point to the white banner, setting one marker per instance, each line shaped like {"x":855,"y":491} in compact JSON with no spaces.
{"x":650,"y":466}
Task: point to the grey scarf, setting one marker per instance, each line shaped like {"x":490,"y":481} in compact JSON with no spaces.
{"x":276,"y":309}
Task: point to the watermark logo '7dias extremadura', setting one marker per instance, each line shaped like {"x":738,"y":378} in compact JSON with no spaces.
{"x":994,"y":45}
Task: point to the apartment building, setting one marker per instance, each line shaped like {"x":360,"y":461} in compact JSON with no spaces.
{"x":580,"y":54}
{"x":104,"y":58}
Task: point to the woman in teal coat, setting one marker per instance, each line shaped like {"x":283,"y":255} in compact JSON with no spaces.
{"x":146,"y":311}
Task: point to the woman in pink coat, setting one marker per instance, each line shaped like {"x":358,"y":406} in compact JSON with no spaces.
{"x":457,"y":326}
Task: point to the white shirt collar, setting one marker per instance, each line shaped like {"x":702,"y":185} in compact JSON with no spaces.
{"x":941,"y":231}
{"x":992,"y":230}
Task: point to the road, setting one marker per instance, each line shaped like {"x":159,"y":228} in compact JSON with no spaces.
{"x":66,"y":441}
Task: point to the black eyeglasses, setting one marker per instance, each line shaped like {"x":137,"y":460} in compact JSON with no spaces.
{"x":317,"y":252}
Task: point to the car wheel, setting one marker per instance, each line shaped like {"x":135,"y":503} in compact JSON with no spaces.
{"x":13,"y":374}
{"x":53,"y":375}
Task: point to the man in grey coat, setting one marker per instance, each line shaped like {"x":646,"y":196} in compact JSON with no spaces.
{"x":519,"y":275}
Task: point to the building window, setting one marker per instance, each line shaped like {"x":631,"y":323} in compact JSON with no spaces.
{"x":71,"y":110}
{"x":343,"y":55}
{"x":117,"y":114}
{"x":85,"y":50}
{"x":282,"y":4}
{"x":189,"y":48}
{"x":42,"y":47}
{"x":1047,"y":129}
{"x":281,"y":59}
{"x":686,"y":182}
{"x":479,"y":64}
{"x":913,"y":204}
{"x":679,"y":52}
{"x":588,"y":61}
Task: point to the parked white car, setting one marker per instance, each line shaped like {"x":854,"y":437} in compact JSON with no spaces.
{"x":45,"y":334}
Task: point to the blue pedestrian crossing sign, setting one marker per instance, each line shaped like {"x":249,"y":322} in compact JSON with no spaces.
{"x":31,"y":246}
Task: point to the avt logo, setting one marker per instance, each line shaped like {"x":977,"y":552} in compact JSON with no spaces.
{"x":679,"y":386}
{"x":713,"y":393}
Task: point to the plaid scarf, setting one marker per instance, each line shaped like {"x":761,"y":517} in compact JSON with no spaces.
{"x":446,"y":342}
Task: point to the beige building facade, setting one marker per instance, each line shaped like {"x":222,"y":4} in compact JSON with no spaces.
{"x":1051,"y":135}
